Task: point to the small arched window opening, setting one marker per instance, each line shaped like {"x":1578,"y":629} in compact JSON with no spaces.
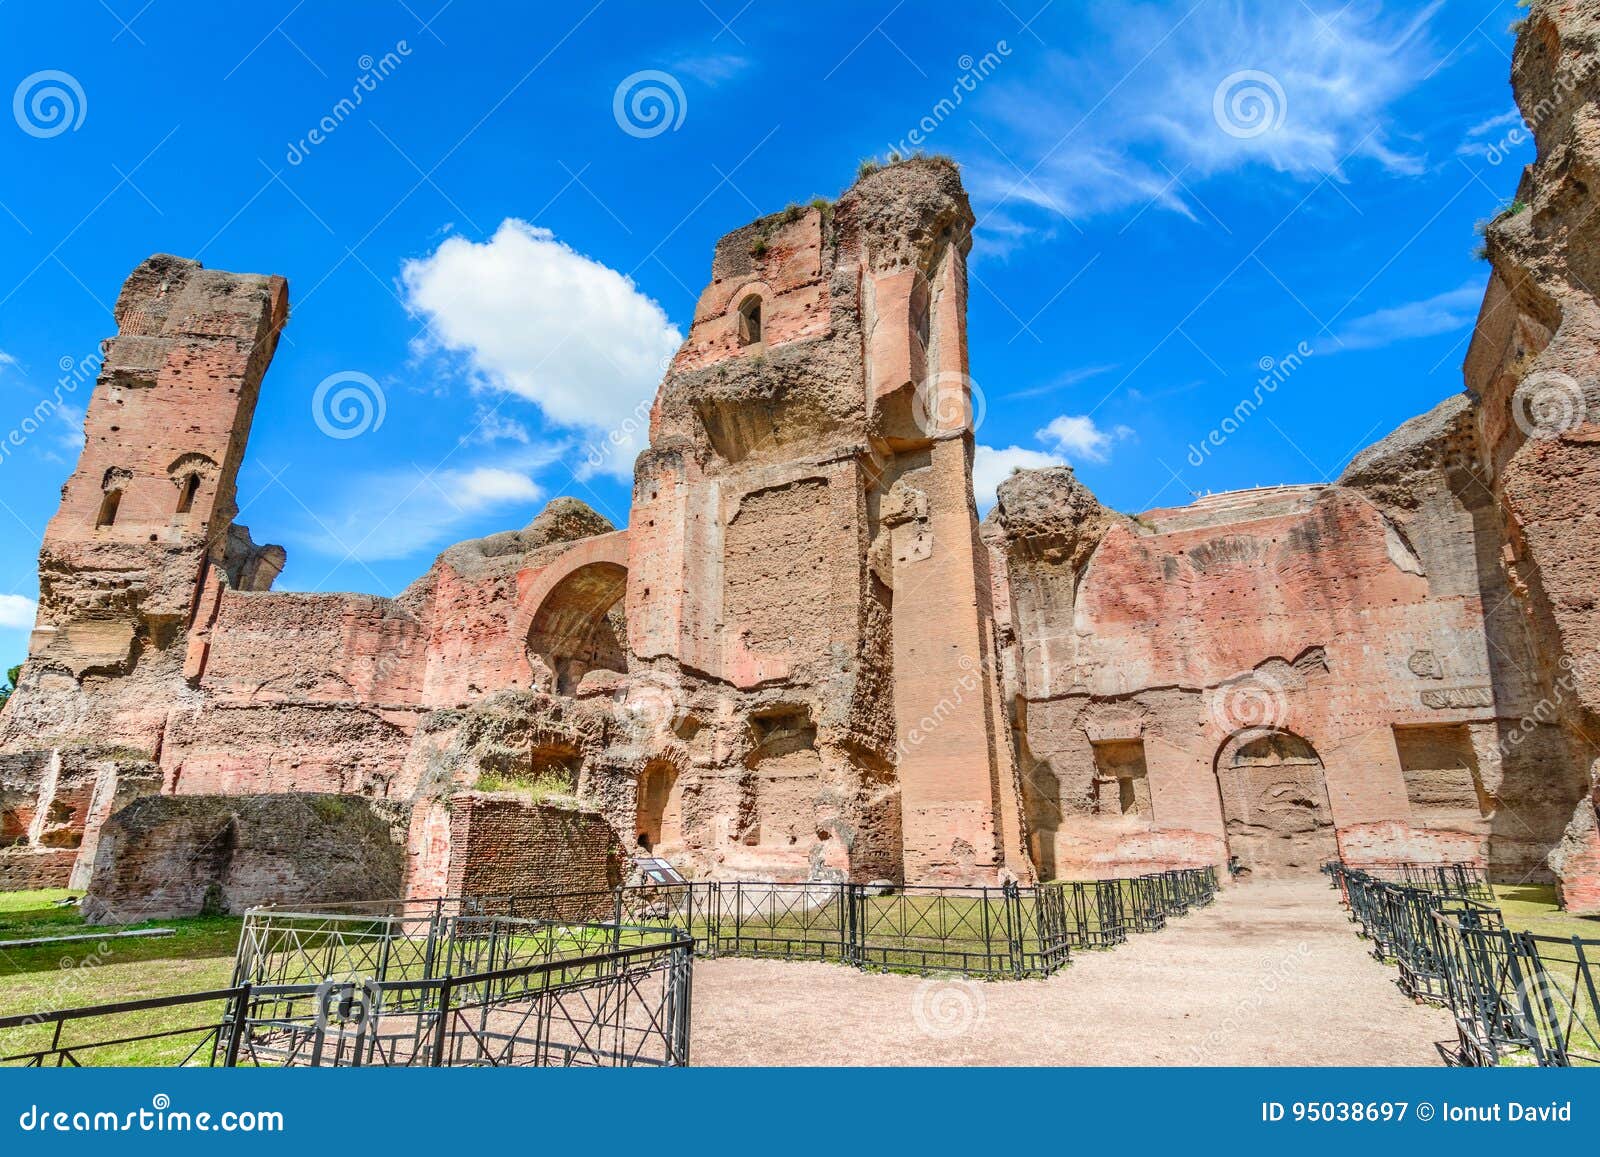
{"x":750,"y":320}
{"x":108,"y":509}
{"x":921,"y":313}
{"x":187,"y":493}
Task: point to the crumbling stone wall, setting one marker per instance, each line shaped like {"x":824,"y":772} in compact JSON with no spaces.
{"x":144,"y":519}
{"x":168,"y":856}
{"x":805,"y":658}
{"x":1532,"y":366}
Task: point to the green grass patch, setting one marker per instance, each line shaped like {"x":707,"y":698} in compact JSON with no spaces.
{"x":196,"y":958}
{"x":1533,"y":908}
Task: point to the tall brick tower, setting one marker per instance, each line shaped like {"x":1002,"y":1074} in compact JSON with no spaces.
{"x":804,"y":553}
{"x":146,"y":515}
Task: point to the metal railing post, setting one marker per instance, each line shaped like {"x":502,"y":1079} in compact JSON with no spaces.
{"x":442,"y":1026}
{"x":240,"y":1022}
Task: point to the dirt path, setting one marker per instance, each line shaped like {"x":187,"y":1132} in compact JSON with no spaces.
{"x":1272,"y":974}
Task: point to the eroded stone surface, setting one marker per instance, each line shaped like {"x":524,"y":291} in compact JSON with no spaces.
{"x":805,"y":658}
{"x":167,"y":856}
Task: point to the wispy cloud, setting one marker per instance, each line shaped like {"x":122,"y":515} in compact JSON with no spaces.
{"x":1493,"y":137}
{"x":1442,"y":313}
{"x":711,"y":69}
{"x":1063,"y":381}
{"x":1178,"y":93}
{"x":397,"y":514}
{"x":491,"y":425}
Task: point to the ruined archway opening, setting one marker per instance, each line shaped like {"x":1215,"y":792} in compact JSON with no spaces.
{"x":580,"y":626}
{"x":750,"y":320}
{"x":187,"y":492}
{"x":1275,"y":805}
{"x":660,"y":808}
{"x":109,"y":507}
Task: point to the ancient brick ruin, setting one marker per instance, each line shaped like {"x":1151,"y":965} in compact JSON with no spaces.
{"x":805,"y":658}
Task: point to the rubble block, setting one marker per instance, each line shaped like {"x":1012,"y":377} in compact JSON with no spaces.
{"x":169,"y":856}
{"x":505,"y":845}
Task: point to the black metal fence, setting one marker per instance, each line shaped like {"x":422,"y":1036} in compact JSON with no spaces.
{"x":998,"y":932}
{"x":574,"y":978}
{"x":400,"y":985}
{"x":1516,"y":997}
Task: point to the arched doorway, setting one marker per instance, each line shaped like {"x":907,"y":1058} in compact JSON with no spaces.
{"x":579,"y":626}
{"x":660,"y":812}
{"x":1275,"y":803}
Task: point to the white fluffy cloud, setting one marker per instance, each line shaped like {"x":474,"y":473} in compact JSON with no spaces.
{"x":533,"y":317}
{"x":1149,"y":117}
{"x":1077,"y":436}
{"x":990,"y":467}
{"x":17,"y":613}
{"x":1068,"y":438}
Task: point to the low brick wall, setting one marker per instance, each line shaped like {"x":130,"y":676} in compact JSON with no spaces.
{"x":504,"y":845}
{"x":168,"y":856}
{"x":25,"y":869}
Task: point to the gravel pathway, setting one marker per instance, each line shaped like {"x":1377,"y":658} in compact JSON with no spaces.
{"x":1272,"y":974}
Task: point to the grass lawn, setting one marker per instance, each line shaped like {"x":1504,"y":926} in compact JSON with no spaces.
{"x":1532,"y":908}
{"x":197,"y":958}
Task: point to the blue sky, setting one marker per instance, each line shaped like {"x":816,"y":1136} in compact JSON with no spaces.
{"x":496,"y":248}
